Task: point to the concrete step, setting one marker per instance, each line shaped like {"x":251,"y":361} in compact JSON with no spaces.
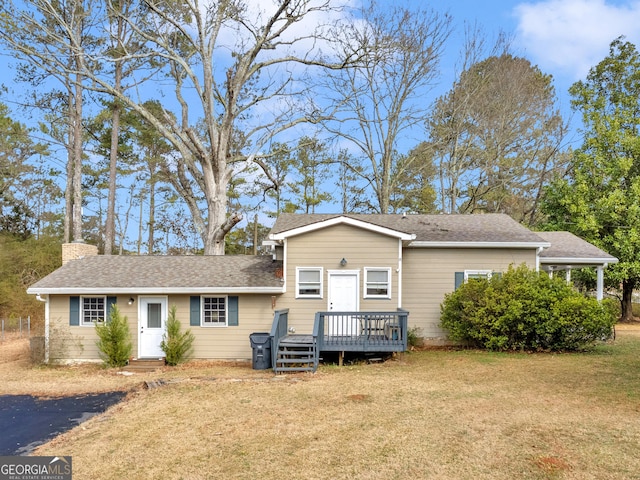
{"x":144,"y":365}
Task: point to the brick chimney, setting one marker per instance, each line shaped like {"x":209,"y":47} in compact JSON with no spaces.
{"x":75,"y":250}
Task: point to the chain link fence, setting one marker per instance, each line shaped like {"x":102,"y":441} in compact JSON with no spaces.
{"x":15,"y":328}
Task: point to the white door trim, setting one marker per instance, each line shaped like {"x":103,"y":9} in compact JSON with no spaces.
{"x":151,"y":350}
{"x":335,"y":273}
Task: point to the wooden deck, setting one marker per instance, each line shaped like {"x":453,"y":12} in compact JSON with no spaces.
{"x":377,"y":332}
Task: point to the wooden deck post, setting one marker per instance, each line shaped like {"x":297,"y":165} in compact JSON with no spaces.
{"x":341,"y":359}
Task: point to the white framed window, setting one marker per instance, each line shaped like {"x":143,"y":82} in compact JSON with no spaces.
{"x":377,"y":282}
{"x":309,"y":282}
{"x":469,"y":274}
{"x":93,"y":310}
{"x":214,"y":312}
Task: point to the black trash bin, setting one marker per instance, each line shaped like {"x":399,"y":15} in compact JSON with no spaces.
{"x":261,"y":345}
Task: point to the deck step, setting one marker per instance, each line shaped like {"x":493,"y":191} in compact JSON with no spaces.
{"x":294,"y":369}
{"x":296,"y":353}
{"x":285,"y":349}
{"x":294,"y":360}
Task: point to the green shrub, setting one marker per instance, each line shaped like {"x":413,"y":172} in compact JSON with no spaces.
{"x":414,"y":339}
{"x":176,"y":345}
{"x":114,"y":339}
{"x":525,"y":310}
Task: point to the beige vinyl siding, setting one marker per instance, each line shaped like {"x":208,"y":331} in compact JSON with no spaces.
{"x":325,"y":248}
{"x":227,"y":343}
{"x":429,"y":274}
{"x":78,"y":343}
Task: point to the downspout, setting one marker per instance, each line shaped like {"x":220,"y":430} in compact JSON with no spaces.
{"x":46,"y":325}
{"x":538,"y":251}
{"x":600,"y":281}
{"x":285,"y":258}
{"x":399,"y":272}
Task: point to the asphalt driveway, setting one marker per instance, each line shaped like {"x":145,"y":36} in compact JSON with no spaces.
{"x":27,"y":421}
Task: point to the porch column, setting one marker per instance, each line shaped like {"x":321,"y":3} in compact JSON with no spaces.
{"x":600,"y":282}
{"x":568,"y":275}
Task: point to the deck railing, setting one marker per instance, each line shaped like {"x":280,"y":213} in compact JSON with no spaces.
{"x":361,"y":331}
{"x":279,"y":329}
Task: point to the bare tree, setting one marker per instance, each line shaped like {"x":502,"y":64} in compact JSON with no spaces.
{"x":232,"y":71}
{"x":497,"y":137}
{"x":381,"y":97}
{"x":123,"y":43}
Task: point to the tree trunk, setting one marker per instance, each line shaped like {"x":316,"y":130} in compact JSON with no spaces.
{"x":110,"y":227}
{"x":77,"y":161}
{"x":626,"y":304}
{"x":68,"y":189}
{"x":152,"y":213}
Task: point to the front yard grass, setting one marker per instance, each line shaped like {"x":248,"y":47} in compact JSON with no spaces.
{"x":432,"y":414}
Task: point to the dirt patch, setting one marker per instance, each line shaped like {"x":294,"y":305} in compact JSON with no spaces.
{"x":552,"y":465}
{"x":15,"y":350}
{"x":359,"y":397}
{"x":628,"y":328}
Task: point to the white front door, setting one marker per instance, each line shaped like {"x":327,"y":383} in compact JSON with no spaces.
{"x":343,"y":297}
{"x":152,"y":316}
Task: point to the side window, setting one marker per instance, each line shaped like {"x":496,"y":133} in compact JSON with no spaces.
{"x":208,"y":311}
{"x":377,"y":282}
{"x":463,"y":277}
{"x":309,"y":282}
{"x":469,"y":274}
{"x":214,"y":311}
{"x":93,"y":310}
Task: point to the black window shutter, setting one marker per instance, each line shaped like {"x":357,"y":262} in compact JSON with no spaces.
{"x":111,"y":301}
{"x":459,"y":279}
{"x":74,"y":311}
{"x":194,"y":311}
{"x":232,"y":311}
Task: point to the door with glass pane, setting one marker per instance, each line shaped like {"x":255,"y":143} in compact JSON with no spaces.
{"x":152,"y":321}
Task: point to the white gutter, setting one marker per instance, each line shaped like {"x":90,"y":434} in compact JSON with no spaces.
{"x":577,"y":261}
{"x":153,"y":290}
{"x":428,"y":244}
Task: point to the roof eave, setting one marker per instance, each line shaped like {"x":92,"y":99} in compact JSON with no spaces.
{"x":340,"y":220}
{"x":577,"y":260}
{"x":153,"y":290}
{"x":430,"y":244}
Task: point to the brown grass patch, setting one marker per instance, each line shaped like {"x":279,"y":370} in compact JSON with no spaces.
{"x":358,"y":397}
{"x":552,"y":465}
{"x":430,"y":414}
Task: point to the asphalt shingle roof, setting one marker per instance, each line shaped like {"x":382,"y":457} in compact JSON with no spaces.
{"x":491,"y":227}
{"x":164,"y":272}
{"x":567,"y":245}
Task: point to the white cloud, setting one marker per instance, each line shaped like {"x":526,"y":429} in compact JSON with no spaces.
{"x":574,"y":35}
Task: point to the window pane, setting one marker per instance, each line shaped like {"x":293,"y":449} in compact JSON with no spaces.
{"x":93,"y":309}
{"x":377,"y":290}
{"x":153,"y":315}
{"x":377,"y":283}
{"x":309,"y":276}
{"x":214,"y":311}
{"x":377,"y":276}
{"x":309,"y":289}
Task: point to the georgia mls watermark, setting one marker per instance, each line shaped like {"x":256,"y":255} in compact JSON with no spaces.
{"x":35,"y":468}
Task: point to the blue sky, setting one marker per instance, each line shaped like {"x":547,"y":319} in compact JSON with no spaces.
{"x":563,"y":38}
